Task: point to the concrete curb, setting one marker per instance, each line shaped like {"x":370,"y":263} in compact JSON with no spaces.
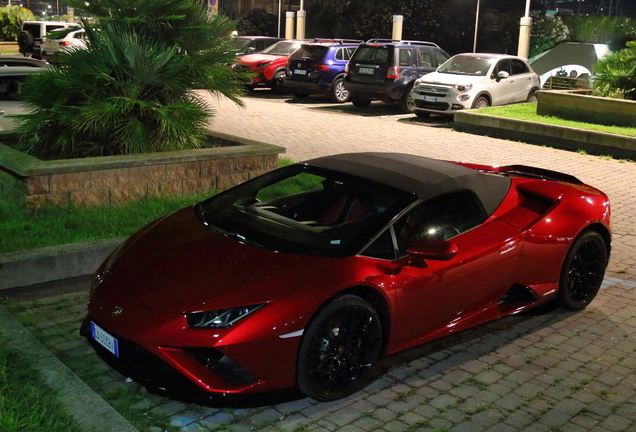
{"x":53,"y":263}
{"x":87,"y":408}
{"x":544,"y":134}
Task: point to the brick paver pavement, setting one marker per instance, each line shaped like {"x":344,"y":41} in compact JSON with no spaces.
{"x":547,"y":370}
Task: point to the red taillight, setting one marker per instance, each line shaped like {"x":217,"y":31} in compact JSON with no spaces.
{"x":322,"y":67}
{"x":393,"y":72}
{"x":65,"y":43}
{"x":347,"y":69}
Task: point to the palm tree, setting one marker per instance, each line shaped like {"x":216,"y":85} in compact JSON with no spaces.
{"x":616,"y":74}
{"x":132,"y":89}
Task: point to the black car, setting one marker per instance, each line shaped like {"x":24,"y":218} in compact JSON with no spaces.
{"x":243,"y":45}
{"x":319,"y":68}
{"x":384,"y":69}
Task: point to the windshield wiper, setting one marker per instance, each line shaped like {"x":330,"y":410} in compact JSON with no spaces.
{"x":236,"y":236}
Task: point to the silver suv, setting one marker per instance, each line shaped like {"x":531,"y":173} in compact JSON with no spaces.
{"x":474,"y":80}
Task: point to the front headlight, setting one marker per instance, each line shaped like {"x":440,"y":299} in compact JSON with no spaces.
{"x":220,"y":318}
{"x":262,"y":65}
{"x":463,"y":88}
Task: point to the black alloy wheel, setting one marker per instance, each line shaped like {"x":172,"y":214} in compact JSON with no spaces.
{"x":583,"y":271}
{"x":339,"y":349}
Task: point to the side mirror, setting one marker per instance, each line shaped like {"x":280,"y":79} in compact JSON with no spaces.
{"x":503,"y":75}
{"x":433,"y":249}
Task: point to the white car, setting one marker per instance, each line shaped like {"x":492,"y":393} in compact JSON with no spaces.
{"x":10,"y":81}
{"x":63,"y":40}
{"x":474,"y":80}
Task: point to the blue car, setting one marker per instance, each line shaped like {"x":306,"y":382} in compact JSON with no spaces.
{"x":319,"y":68}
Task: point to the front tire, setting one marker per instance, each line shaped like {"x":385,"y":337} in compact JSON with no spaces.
{"x":339,"y":349}
{"x":583,"y":271}
{"x":481,"y":102}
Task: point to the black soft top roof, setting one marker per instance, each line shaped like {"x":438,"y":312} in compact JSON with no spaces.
{"x":422,"y":176}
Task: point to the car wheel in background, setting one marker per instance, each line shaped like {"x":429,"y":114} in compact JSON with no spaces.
{"x":339,"y":349}
{"x":481,"y":102}
{"x":339,"y":93}
{"x":278,"y":85}
{"x":359,"y":102}
{"x":583,"y":271}
{"x":406,"y":102}
{"x":532,"y":96}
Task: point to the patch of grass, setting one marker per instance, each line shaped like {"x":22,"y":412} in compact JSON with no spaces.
{"x":21,"y":389}
{"x":528,"y":112}
{"x":22,"y":229}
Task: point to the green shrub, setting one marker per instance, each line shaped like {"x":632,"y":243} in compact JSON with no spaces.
{"x":131,"y":90}
{"x":616,"y":74}
{"x":11,"y":18}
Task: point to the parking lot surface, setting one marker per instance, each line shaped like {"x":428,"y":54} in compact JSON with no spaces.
{"x":546,"y":370}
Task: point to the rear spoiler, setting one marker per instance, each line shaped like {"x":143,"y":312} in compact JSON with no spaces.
{"x":539,"y":173}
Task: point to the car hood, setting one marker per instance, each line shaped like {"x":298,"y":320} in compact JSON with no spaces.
{"x":178,"y":265}
{"x":251,"y":59}
{"x":451,"y":79}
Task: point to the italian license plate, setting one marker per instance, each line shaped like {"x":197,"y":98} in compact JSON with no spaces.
{"x":300,"y":72}
{"x":430,"y":98}
{"x":104,"y":339}
{"x":50,"y":53}
{"x":366,"y":71}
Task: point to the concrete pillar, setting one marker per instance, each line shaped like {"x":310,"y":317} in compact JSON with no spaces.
{"x":300,"y":24}
{"x":397,"y":27}
{"x":524,"y":37}
{"x":289,"y":24}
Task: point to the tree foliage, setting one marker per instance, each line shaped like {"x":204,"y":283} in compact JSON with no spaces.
{"x":11,"y":18}
{"x":257,"y":22}
{"x":616,"y":74}
{"x":132,"y":89}
{"x":547,"y":31}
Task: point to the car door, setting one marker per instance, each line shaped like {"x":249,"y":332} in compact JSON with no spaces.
{"x":523,"y":80}
{"x":502,"y":90}
{"x":433,"y":296}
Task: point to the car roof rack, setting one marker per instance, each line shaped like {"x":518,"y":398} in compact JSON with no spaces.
{"x":340,"y":41}
{"x":403,"y":42}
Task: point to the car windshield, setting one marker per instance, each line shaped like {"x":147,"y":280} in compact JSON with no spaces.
{"x":281,"y":48}
{"x":310,"y":52}
{"x":467,"y":65}
{"x":238,"y":43}
{"x":61,"y":33}
{"x":305,"y":210}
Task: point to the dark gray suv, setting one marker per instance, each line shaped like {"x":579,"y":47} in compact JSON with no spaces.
{"x":384,"y":69}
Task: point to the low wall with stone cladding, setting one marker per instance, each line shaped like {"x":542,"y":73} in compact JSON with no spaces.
{"x":117,"y":179}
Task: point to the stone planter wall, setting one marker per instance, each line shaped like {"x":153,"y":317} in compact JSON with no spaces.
{"x":117,"y":179}
{"x":578,"y":106}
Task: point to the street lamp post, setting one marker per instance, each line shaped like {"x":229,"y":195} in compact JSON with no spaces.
{"x":524,"y":33}
{"x":476,"y":26}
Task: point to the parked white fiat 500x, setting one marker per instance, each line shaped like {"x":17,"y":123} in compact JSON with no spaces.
{"x":474,"y":80}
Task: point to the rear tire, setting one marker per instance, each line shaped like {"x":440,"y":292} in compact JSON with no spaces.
{"x":583,"y":271}
{"x":339,"y":94}
{"x":359,"y":102}
{"x":532,"y":96}
{"x":406,"y":102}
{"x":339,"y":349}
{"x":278,"y":84}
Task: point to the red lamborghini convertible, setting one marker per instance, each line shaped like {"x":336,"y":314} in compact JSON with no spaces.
{"x":305,"y":276}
